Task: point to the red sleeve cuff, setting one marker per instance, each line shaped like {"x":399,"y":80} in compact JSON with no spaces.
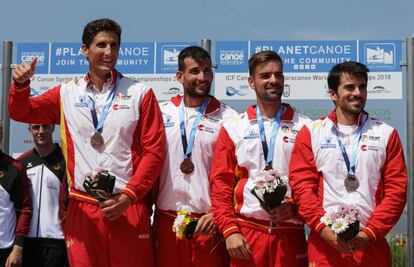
{"x":370,"y":233}
{"x":319,"y":227}
{"x":131,"y":194}
{"x":230,"y":229}
{"x":21,"y":86}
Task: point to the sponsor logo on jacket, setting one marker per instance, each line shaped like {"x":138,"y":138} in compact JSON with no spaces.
{"x":206,"y":128}
{"x":289,"y":139}
{"x":366,"y":137}
{"x":328,"y":143}
{"x":122,"y":102}
{"x":210,"y":119}
{"x":119,"y":106}
{"x":168,"y":121}
{"x":82,"y":102}
{"x":251,"y":134}
{"x":369,"y":148}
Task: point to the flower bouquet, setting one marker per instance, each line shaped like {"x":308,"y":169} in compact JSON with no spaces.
{"x":344,"y":222}
{"x":99,"y":183}
{"x":184,"y":225}
{"x":269,"y":188}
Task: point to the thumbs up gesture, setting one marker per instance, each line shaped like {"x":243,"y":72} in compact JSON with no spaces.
{"x":24,"y":71}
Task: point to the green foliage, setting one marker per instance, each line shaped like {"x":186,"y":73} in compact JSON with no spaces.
{"x":398,"y":246}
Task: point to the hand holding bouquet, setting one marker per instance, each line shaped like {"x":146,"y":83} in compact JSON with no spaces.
{"x":344,"y":222}
{"x":269,"y":188}
{"x":184,"y":225}
{"x":99,"y":184}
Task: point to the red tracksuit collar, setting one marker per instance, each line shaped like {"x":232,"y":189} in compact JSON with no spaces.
{"x":287,"y":116}
{"x":332,"y":117}
{"x":213,"y":106}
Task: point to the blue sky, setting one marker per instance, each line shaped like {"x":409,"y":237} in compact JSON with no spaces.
{"x":62,"y":21}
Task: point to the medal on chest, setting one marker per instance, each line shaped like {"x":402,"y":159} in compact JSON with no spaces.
{"x":97,"y":141}
{"x":351,"y":183}
{"x":268,"y":150}
{"x":187,"y":166}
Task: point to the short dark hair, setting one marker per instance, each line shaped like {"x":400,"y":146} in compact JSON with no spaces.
{"x":100,"y":25}
{"x":262,"y":57}
{"x":353,"y":68}
{"x":195,"y":52}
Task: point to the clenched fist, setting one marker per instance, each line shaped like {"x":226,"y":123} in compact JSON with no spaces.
{"x":24,"y":71}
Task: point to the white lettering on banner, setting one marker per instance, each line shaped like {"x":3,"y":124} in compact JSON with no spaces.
{"x":289,"y":60}
{"x":28,"y":56}
{"x":321,"y":60}
{"x":83,"y":62}
{"x":65,"y":62}
{"x":132,"y":62}
{"x":134,"y":51}
{"x":230,"y":55}
{"x":314,"y":49}
{"x":68,"y":51}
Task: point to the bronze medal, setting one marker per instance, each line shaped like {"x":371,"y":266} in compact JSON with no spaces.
{"x":187,"y":166}
{"x":97,"y":140}
{"x":351,"y":183}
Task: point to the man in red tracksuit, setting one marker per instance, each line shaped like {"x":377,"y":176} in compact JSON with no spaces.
{"x":180,"y":189}
{"x":111,"y":127}
{"x":253,"y":236}
{"x":349,"y":159}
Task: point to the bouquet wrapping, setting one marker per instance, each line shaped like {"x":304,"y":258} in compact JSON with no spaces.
{"x":344,"y":222}
{"x":99,"y":184}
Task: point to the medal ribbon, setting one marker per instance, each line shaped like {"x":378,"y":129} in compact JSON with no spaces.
{"x":351,"y":162}
{"x":99,"y":124}
{"x":268,"y":152}
{"x":188,"y":148}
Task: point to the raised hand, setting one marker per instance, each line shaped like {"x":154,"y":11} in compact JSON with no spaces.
{"x":23,"y":72}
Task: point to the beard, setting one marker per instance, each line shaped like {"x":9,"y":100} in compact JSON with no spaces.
{"x":273,"y":96}
{"x":198,"y":93}
{"x":356,"y":107}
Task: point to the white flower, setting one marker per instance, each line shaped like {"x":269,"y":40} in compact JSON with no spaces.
{"x":284,"y":179}
{"x":258,"y":184}
{"x":178,"y":222}
{"x":266,"y":181}
{"x":350,"y":218}
{"x":326,"y":219}
{"x":339,"y":225}
{"x":270,"y":187}
{"x":269,"y":178}
{"x":260,"y":176}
